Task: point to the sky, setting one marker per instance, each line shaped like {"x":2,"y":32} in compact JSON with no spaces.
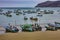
{"x":20,"y":3}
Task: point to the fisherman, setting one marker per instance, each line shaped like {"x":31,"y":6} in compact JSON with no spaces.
{"x":33,"y":27}
{"x":36,"y":26}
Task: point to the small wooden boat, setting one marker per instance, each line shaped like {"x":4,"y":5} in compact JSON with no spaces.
{"x":1,"y":10}
{"x":25,"y":18}
{"x":2,"y":30}
{"x":57,"y":23}
{"x":31,"y":18}
{"x":24,"y":14}
{"x":17,"y":13}
{"x":9,"y":15}
{"x":40,"y":15}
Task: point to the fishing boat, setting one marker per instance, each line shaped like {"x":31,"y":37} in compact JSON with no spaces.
{"x":12,"y":29}
{"x":24,"y":14}
{"x":51,"y":27}
{"x":57,"y":24}
{"x":2,"y":30}
{"x":27,"y":27}
{"x":8,"y":15}
{"x":31,"y":18}
{"x":40,"y":15}
{"x":1,"y":10}
{"x":25,"y":18}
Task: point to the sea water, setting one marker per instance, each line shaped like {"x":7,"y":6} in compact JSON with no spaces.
{"x":46,"y":18}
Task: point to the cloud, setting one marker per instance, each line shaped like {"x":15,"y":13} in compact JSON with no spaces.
{"x":20,"y":3}
{"x":17,"y":5}
{"x":17,"y":2}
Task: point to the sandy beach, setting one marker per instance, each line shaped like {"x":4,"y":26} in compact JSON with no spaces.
{"x":39,"y":35}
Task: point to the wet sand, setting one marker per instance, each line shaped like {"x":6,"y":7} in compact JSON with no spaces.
{"x":48,"y":35}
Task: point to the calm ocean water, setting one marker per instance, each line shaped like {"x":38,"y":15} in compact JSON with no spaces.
{"x":46,"y":18}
